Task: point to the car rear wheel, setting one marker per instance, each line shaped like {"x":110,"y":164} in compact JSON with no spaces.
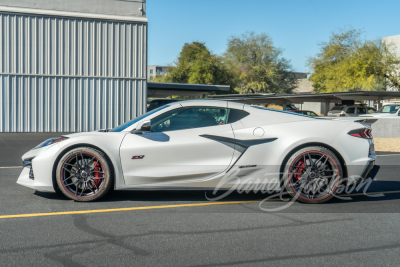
{"x":84,"y":174}
{"x":312,"y":175}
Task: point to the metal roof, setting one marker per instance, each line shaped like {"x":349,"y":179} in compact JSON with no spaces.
{"x":169,"y":89}
{"x":308,"y":97}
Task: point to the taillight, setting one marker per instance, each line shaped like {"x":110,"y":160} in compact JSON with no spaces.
{"x":367,"y":133}
{"x":362,"y":133}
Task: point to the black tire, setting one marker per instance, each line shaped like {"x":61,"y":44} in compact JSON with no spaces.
{"x":312,"y":175}
{"x":84,"y":174}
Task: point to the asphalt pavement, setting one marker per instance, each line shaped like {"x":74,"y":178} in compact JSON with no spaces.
{"x":183,"y":228}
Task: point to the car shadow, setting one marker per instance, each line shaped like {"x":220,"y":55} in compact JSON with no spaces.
{"x":163,"y":196}
{"x":366,"y":198}
{"x":356,"y":194}
{"x":180,"y":195}
{"x":377,"y":191}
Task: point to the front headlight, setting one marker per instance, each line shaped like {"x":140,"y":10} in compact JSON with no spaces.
{"x":51,"y":141}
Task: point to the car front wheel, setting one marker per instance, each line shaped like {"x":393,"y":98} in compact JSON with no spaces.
{"x":84,"y":174}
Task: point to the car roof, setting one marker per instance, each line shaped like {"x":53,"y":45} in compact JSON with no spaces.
{"x":202,"y":102}
{"x":355,"y":105}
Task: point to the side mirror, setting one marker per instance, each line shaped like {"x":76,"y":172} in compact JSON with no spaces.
{"x":142,"y":127}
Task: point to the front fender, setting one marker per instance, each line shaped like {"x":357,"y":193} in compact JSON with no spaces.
{"x":107,"y":142}
{"x":44,"y":159}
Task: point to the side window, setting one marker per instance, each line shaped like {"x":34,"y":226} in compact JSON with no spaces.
{"x":236,"y":115}
{"x":371,"y":110}
{"x":361,"y":111}
{"x":189,"y":118}
{"x":350,"y":111}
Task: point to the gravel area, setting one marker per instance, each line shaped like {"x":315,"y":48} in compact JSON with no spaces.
{"x":387,"y":144}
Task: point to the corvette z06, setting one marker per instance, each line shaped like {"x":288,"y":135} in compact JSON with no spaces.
{"x":197,"y":144}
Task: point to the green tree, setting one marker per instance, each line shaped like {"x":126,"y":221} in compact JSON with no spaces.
{"x":350,"y":63}
{"x":197,"y":65}
{"x":258,"y":66}
{"x":158,"y":79}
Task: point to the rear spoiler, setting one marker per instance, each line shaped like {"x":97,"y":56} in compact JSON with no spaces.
{"x":367,"y":121}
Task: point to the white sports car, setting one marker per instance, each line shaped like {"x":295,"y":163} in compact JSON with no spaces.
{"x":205,"y":145}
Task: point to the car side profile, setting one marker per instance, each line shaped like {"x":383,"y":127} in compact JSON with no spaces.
{"x":205,"y":145}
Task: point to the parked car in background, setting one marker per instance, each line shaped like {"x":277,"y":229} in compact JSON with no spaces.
{"x":390,"y":110}
{"x":291,"y":108}
{"x":307,"y":112}
{"x":350,"y":111}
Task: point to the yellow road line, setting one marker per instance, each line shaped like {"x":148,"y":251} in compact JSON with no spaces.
{"x":11,"y":167}
{"x":125,"y":209}
{"x":162,"y":207}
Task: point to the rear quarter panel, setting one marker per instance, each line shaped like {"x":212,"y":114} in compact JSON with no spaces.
{"x":290,"y":135}
{"x":295,"y":131}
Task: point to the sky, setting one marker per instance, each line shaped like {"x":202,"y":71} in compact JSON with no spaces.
{"x":296,"y":26}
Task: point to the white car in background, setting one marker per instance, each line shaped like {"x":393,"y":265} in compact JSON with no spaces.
{"x":387,"y":111}
{"x":350,"y":111}
{"x":199,"y":145}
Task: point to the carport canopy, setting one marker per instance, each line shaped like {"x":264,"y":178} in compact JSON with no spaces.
{"x":159,"y":90}
{"x":327,"y":98}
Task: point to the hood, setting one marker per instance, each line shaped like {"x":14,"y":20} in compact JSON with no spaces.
{"x":94,"y":133}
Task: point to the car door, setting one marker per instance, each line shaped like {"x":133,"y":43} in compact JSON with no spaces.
{"x":175,"y":153}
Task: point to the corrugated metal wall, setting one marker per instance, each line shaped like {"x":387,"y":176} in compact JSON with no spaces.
{"x":70,"y":74}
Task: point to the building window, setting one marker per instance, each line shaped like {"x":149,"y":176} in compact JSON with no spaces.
{"x":151,"y":71}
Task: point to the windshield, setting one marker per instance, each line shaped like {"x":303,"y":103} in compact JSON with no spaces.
{"x":135,"y":120}
{"x":388,"y":109}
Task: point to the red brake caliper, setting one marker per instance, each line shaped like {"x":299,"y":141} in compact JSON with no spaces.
{"x":96,"y":174}
{"x":299,"y":170}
